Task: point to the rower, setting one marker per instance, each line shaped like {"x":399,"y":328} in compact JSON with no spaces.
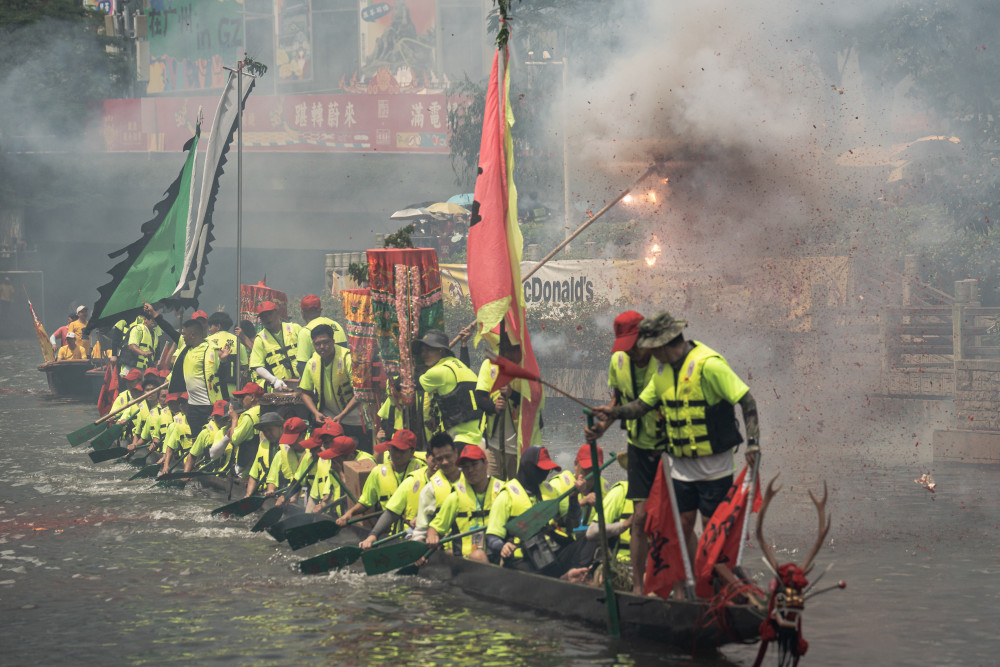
{"x":140,"y":423}
{"x":383,"y":481}
{"x":326,"y":388}
{"x":159,"y":419}
{"x":518,"y":496}
{"x":440,"y":484}
{"x":142,"y":341}
{"x":243,"y":433}
{"x":273,"y":355}
{"x":341,"y":450}
{"x":212,"y":433}
{"x":467,"y":506}
{"x":451,"y":404}
{"x":284,"y":467}
{"x":270,"y":427}
{"x":132,"y":391}
{"x":619,"y":512}
{"x":312,"y":315}
{"x":178,"y":438}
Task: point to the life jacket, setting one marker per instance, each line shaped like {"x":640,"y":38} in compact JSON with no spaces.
{"x":227,"y":366}
{"x":265,"y":457}
{"x":693,"y":427}
{"x":343,"y":390}
{"x":471,"y":512}
{"x":147,"y":343}
{"x":442,"y":488}
{"x":252,"y":442}
{"x":208,"y":373}
{"x":520,"y":502}
{"x":459,"y":405}
{"x":278,"y":356}
{"x":650,"y":430}
{"x":178,"y":435}
{"x":628,"y":509}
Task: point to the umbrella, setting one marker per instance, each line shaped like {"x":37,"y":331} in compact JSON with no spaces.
{"x":462,"y":200}
{"x":446,"y":208}
{"x":406,"y":213}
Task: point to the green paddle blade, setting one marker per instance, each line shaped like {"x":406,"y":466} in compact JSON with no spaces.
{"x":393,"y":557}
{"x":268,"y":519}
{"x":108,"y":454}
{"x":277,"y":530}
{"x":104,"y":440}
{"x":82,"y":435}
{"x":147,"y":472}
{"x":240,"y":507}
{"x":301,"y":537}
{"x":331,"y":560}
{"x":532,"y":520}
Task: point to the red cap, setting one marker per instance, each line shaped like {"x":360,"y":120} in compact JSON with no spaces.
{"x":251,"y":388}
{"x":539,"y":456}
{"x":342,"y":446}
{"x":265,"y":306}
{"x":184,"y":396}
{"x":472,"y":453}
{"x":133,"y":375}
{"x":583,"y":457}
{"x":310,"y":302}
{"x":626,"y":331}
{"x":294,"y":427}
{"x":151,"y":372}
{"x":312,"y":443}
{"x":403,"y":439}
{"x":219,"y":409}
{"x":381,"y":448}
{"x":164,"y":373}
{"x":199,"y":315}
{"x":173,"y":397}
{"x":330,"y":427}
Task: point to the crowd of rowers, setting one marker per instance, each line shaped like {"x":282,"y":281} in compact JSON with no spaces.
{"x":297,"y":451}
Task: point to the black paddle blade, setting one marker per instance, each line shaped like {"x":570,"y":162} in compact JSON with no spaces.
{"x":240,"y":507}
{"x":302,"y":536}
{"x":82,"y":435}
{"x":147,"y":472}
{"x":277,"y":531}
{"x":393,"y":557}
{"x":331,"y":560}
{"x":268,"y":519}
{"x":107,"y":454}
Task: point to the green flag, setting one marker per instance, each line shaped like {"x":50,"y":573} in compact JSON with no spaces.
{"x":151,"y":269}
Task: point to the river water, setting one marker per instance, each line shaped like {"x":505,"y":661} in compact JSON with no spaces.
{"x":98,"y":570}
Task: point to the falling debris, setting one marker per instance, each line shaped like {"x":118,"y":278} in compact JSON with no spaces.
{"x":926,"y":481}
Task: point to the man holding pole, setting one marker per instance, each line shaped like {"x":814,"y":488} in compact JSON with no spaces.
{"x":696,"y":391}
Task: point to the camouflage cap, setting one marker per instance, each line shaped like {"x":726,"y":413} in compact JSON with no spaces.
{"x":659,"y":330}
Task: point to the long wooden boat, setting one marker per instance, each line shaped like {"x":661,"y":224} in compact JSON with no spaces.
{"x":683,"y":624}
{"x":68,"y":378}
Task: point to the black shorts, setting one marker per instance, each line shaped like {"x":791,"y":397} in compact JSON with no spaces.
{"x":642,"y":464}
{"x":197,"y":417}
{"x":701,"y":496}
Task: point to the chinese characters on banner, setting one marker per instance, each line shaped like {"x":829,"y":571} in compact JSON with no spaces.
{"x":189,"y":42}
{"x":401,"y":123}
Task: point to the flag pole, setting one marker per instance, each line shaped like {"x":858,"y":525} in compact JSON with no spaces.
{"x":749,"y":510}
{"x":239,"y":207}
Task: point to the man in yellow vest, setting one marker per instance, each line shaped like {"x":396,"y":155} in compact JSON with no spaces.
{"x":270,"y":427}
{"x":467,"y":507}
{"x":72,"y":350}
{"x":273,"y":354}
{"x":312,"y":315}
{"x":697,"y":392}
{"x":326,"y":388}
{"x":341,"y":449}
{"x":383,"y":481}
{"x":439,"y":485}
{"x":198,"y":371}
{"x":450,"y":386}
{"x":226,"y":346}
{"x":142,"y":342}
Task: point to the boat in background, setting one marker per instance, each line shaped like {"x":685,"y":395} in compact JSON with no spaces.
{"x":69,"y":378}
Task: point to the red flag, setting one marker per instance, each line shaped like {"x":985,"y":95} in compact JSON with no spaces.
{"x":109,"y":390}
{"x":507,"y":370}
{"x":495,"y":246}
{"x":665,"y":565}
{"x":720,"y":541}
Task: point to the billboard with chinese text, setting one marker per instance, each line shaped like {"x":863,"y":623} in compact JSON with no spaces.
{"x":400,"y":123}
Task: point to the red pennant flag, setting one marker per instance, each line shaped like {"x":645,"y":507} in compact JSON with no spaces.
{"x":507,"y":370}
{"x":109,"y":390}
{"x":720,"y":541}
{"x":665,"y":565}
{"x":43,"y":339}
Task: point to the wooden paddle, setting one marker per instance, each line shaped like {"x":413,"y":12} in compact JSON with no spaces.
{"x":172,"y":476}
{"x":610,"y":600}
{"x":81,"y":435}
{"x":528,"y":523}
{"x":146,"y":472}
{"x":268,"y":519}
{"x":277,"y":530}
{"x":300,"y":537}
{"x":104,"y":440}
{"x":339,"y":557}
{"x":396,"y":556}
